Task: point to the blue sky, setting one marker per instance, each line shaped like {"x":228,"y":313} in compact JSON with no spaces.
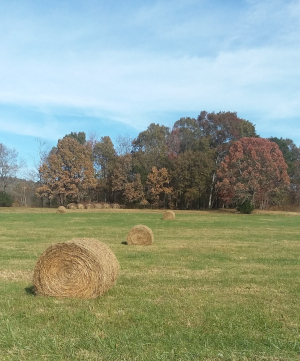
{"x":114,"y":67}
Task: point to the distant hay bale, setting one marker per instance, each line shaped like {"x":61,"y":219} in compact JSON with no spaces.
{"x":98,"y":205}
{"x":89,"y":206}
{"x":79,"y":268}
{"x":61,"y":209}
{"x":140,"y":235}
{"x":106,"y":205}
{"x":115,"y":206}
{"x":80,"y":206}
{"x":72,"y":206}
{"x":169,"y":215}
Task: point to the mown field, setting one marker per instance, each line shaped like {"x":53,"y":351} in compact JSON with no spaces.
{"x":213,"y":286}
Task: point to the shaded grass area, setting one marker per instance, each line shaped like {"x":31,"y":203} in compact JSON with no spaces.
{"x":213,"y":286}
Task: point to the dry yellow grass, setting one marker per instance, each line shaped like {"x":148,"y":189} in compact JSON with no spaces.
{"x":16,"y":275}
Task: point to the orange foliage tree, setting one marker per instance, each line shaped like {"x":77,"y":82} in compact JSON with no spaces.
{"x":158,"y":184}
{"x":254,"y":169}
{"x":68,"y":173}
{"x":134,"y":191}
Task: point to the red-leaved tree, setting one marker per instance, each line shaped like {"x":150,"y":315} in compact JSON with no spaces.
{"x":254,"y":169}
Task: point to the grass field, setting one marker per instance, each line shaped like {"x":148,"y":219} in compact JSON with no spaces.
{"x":213,"y":286}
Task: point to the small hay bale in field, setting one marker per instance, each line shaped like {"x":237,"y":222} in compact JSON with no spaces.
{"x":169,"y":215}
{"x":98,"y":205}
{"x":89,"y":206}
{"x":72,"y":206}
{"x":140,"y":235}
{"x":80,"y":206}
{"x":61,"y":209}
{"x":115,"y":206}
{"x":106,"y":205}
{"x":79,"y":268}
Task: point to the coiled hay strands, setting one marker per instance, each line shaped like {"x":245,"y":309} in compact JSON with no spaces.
{"x":72,"y":206}
{"x":106,"y":205}
{"x":140,"y":235}
{"x":169,"y":215}
{"x":79,"y":268}
{"x":89,"y":206}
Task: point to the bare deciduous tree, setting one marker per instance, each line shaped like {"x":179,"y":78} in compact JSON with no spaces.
{"x":8,"y":165}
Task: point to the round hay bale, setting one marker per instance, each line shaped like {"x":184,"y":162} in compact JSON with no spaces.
{"x":116,"y":206}
{"x":140,"y":235}
{"x":61,"y":209}
{"x":79,"y":268}
{"x":72,"y":206}
{"x":80,"y":206}
{"x":169,"y":215}
{"x":106,"y":205}
{"x":89,"y":206}
{"x":98,"y":205}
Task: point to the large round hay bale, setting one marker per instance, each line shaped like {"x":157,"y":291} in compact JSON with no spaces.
{"x":72,"y":206}
{"x":61,"y":209}
{"x":98,"y":205}
{"x":140,"y":235}
{"x":89,"y":206}
{"x":169,"y":215}
{"x":115,"y":206}
{"x":79,"y":268}
{"x":80,"y":206}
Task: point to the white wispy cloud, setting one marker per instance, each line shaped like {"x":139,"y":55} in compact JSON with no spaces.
{"x":125,"y":62}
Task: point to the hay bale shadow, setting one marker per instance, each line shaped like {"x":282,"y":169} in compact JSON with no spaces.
{"x":30,"y":290}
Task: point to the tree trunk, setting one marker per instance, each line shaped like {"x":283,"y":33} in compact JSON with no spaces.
{"x":211,"y":190}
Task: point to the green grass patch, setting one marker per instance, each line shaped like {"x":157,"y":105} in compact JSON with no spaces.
{"x":213,"y":286}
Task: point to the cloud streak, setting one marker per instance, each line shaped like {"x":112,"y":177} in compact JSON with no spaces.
{"x":126,"y":62}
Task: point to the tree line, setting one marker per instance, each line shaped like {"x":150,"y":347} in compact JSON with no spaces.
{"x":214,"y":160}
